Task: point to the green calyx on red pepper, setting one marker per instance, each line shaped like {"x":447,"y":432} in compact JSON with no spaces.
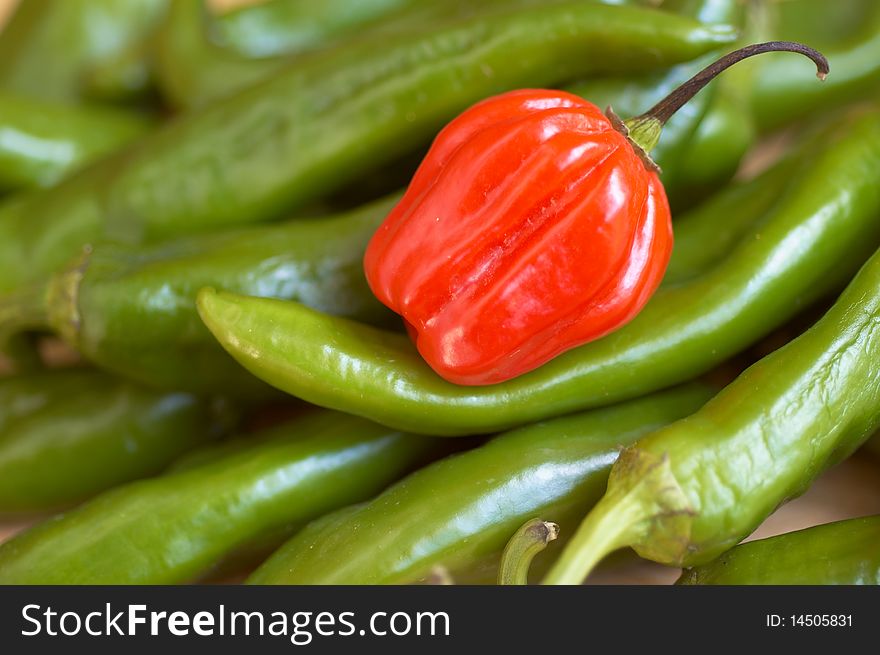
{"x":535,"y":224}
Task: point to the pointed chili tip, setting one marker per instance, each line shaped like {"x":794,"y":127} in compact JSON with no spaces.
{"x":821,"y":75}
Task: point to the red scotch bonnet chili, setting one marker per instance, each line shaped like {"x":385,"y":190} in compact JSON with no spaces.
{"x":535,"y":224}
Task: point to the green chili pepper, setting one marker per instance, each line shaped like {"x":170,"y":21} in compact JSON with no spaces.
{"x":818,"y":21}
{"x":702,"y":241}
{"x":844,"y":552}
{"x":194,"y":70}
{"x":321,"y":123}
{"x":176,"y":527}
{"x":688,"y":492}
{"x":66,"y":435}
{"x":42,"y":142}
{"x":461,"y":510}
{"x":131,"y":309}
{"x":48,"y":46}
{"x":291,"y":26}
{"x":26,"y":394}
{"x":716,"y":148}
{"x":815,"y":237}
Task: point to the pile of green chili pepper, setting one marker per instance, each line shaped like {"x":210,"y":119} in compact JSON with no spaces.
{"x":186,"y":198}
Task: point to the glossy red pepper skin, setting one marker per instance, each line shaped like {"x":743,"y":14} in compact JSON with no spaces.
{"x":531,"y":227}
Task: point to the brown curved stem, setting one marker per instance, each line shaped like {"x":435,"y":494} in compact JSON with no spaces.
{"x":643,"y":131}
{"x":664,"y":109}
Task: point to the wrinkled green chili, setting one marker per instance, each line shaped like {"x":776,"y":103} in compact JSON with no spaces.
{"x":691,"y":491}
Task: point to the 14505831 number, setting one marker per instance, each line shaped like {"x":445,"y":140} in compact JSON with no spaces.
{"x":810,"y":620}
{"x":821,"y":620}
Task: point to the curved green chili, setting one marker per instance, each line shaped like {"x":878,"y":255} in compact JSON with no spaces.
{"x":177,"y":527}
{"x":66,"y":435}
{"x":321,"y":123}
{"x":702,"y":241}
{"x":199,"y":58}
{"x":460,"y":511}
{"x":194,"y":70}
{"x":41,"y":142}
{"x":844,"y":552}
{"x":688,"y":492}
{"x":809,"y":244}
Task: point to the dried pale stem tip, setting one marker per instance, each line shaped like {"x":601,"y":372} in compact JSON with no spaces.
{"x":526,"y":542}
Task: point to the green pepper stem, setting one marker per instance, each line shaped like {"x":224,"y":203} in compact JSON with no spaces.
{"x":526,"y":542}
{"x":643,"y":131}
{"x":644,"y":507}
{"x":605,"y":529}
